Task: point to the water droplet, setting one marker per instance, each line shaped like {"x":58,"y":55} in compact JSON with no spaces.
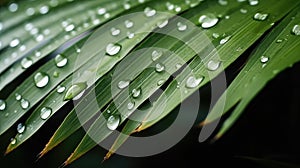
{"x":296,"y":30}
{"x":253,"y":2}
{"x":69,"y":28}
{"x":113,"y":49}
{"x":162,"y":24}
{"x":260,"y":16}
{"x":38,"y":54}
{"x":159,"y":67}
{"x":101,"y":11}
{"x":44,"y":10}
{"x":115,"y":31}
{"x":170,"y":6}
{"x":106,"y":15}
{"x":136,"y":92}
{"x":41,"y":79}
{"x":39,"y":38}
{"x":24,"y":104}
{"x":26,"y":62}
{"x":15,"y":42}
{"x":74,"y":90}
{"x":45,"y":113}
{"x":160,"y":82}
{"x":156,"y":55}
{"x":264,"y":59}
{"x":128,"y":24}
{"x":13,"y":141}
{"x":127,"y":6}
{"x":149,"y":12}
{"x":60,"y":89}
{"x":178,"y":9}
{"x":178,"y":66}
{"x":130,"y":105}
{"x":96,"y":21}
{"x":13,"y":7}
{"x":18,"y":96}
{"x":208,"y":21}
{"x":243,"y":10}
{"x":55,"y":74}
{"x":30,"y":11}
{"x":224,"y":40}
{"x":223,"y":2}
{"x":181,"y":26}
{"x":123,"y":84}
{"x":227,"y":17}
{"x":113,"y":122}
{"x":60,"y":61}
{"x":213,"y":65}
{"x":21,"y":128}
{"x":2,"y":105}
{"x":193,"y":82}
{"x":215,"y":35}
{"x":130,"y":35}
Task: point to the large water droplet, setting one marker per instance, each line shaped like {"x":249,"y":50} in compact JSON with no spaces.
{"x":2,"y":105}
{"x":149,"y":12}
{"x":15,"y":42}
{"x":264,"y":59}
{"x":136,"y":92}
{"x":24,"y":104}
{"x":253,"y":2}
{"x":41,"y":79}
{"x":74,"y":90}
{"x":45,"y":113}
{"x":130,"y":105}
{"x":18,"y":96}
{"x":21,"y":128}
{"x":181,"y":26}
{"x":159,"y":67}
{"x":60,"y":61}
{"x":13,"y":141}
{"x":260,"y":16}
{"x":213,"y":65}
{"x":123,"y":84}
{"x":193,"y":82}
{"x":208,"y":20}
{"x":296,"y":30}
{"x":115,"y":31}
{"x":224,"y":40}
{"x":156,"y":55}
{"x":128,"y":24}
{"x":60,"y":89}
{"x":26,"y":62}
{"x":113,"y":49}
{"x":113,"y":122}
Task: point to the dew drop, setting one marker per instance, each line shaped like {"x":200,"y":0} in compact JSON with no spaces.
{"x":74,"y":90}
{"x":38,"y":54}
{"x":178,"y":66}
{"x":130,"y":105}
{"x":115,"y":31}
{"x":2,"y":105}
{"x":216,"y":35}
{"x":15,"y":42}
{"x":170,"y":6}
{"x":213,"y":65}
{"x":41,"y":79}
{"x":136,"y":92}
{"x":264,"y":59}
{"x":159,"y":67}
{"x":279,"y":41}
{"x":162,"y":24}
{"x":127,"y":6}
{"x":156,"y":55}
{"x":181,"y":26}
{"x":60,"y":61}
{"x":123,"y":84}
{"x":45,"y":113}
{"x":243,"y":10}
{"x":130,"y":35}
{"x":149,"y":12}
{"x":208,"y":21}
{"x":223,"y":2}
{"x":30,"y":11}
{"x":21,"y":128}
{"x":39,"y":38}
{"x":260,"y":16}
{"x":113,"y":122}
{"x":193,"y":82}
{"x":18,"y":96}
{"x":178,"y":9}
{"x":128,"y":24}
{"x":60,"y":89}
{"x":44,"y":9}
{"x":26,"y":62}
{"x":13,"y":141}
{"x":160,"y":82}
{"x":253,"y":2}
{"x":101,"y":11}
{"x":13,"y":7}
{"x":69,"y":28}
{"x":296,"y":30}
{"x":55,"y":74}
{"x":224,"y":40}
{"x":113,"y":49}
{"x":24,"y":104}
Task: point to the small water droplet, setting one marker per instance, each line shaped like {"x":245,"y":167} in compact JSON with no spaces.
{"x":149,"y":11}
{"x":127,"y":6}
{"x":39,"y":38}
{"x":224,"y":40}
{"x":213,"y":65}
{"x":115,"y":31}
{"x":69,"y":28}
{"x":130,"y":105}
{"x":136,"y":92}
{"x":170,"y":6}
{"x":30,"y":11}
{"x":113,"y":122}
{"x":216,"y":35}
{"x":177,"y":9}
{"x":178,"y":65}
{"x":279,"y":41}
{"x":18,"y":96}
{"x":101,"y":11}
{"x":60,"y":61}
{"x":193,"y":82}
{"x":55,"y":74}
{"x":260,"y":16}
{"x":60,"y":89}
{"x":162,"y":24}
{"x":130,"y":35}
{"x":24,"y":104}
{"x":181,"y":26}
{"x":253,"y":2}
{"x":227,"y":17}
{"x":26,"y":62}
{"x":75,"y":90}
{"x":113,"y":49}
{"x":13,"y":141}
{"x":13,"y":7}
{"x":208,"y":20}
{"x":128,"y":24}
{"x":244,"y":11}
{"x":160,"y":82}
{"x":38,"y":54}
{"x":21,"y":128}
{"x":264,"y":59}
{"x":2,"y":105}
{"x":44,"y":10}
{"x":15,"y":42}
{"x":45,"y":113}
{"x":159,"y":67}
{"x":156,"y":55}
{"x":123,"y":84}
{"x":41,"y":79}
{"x":296,"y":30}
{"x":97,"y":21}
{"x":223,"y":2}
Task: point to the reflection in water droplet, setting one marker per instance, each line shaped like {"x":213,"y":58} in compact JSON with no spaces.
{"x":113,"y":122}
{"x":13,"y":141}
{"x":193,"y":82}
{"x":45,"y":113}
{"x":296,"y":30}
{"x":159,"y":67}
{"x":26,"y":62}
{"x":181,"y":26}
{"x":113,"y":49}
{"x":2,"y":105}
{"x":260,"y":16}
{"x":208,"y":20}
{"x":213,"y":65}
{"x":24,"y":104}
{"x":41,"y":79}
{"x":60,"y":61}
{"x":123,"y":84}
{"x":75,"y":90}
{"x":21,"y":128}
{"x":149,"y":11}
